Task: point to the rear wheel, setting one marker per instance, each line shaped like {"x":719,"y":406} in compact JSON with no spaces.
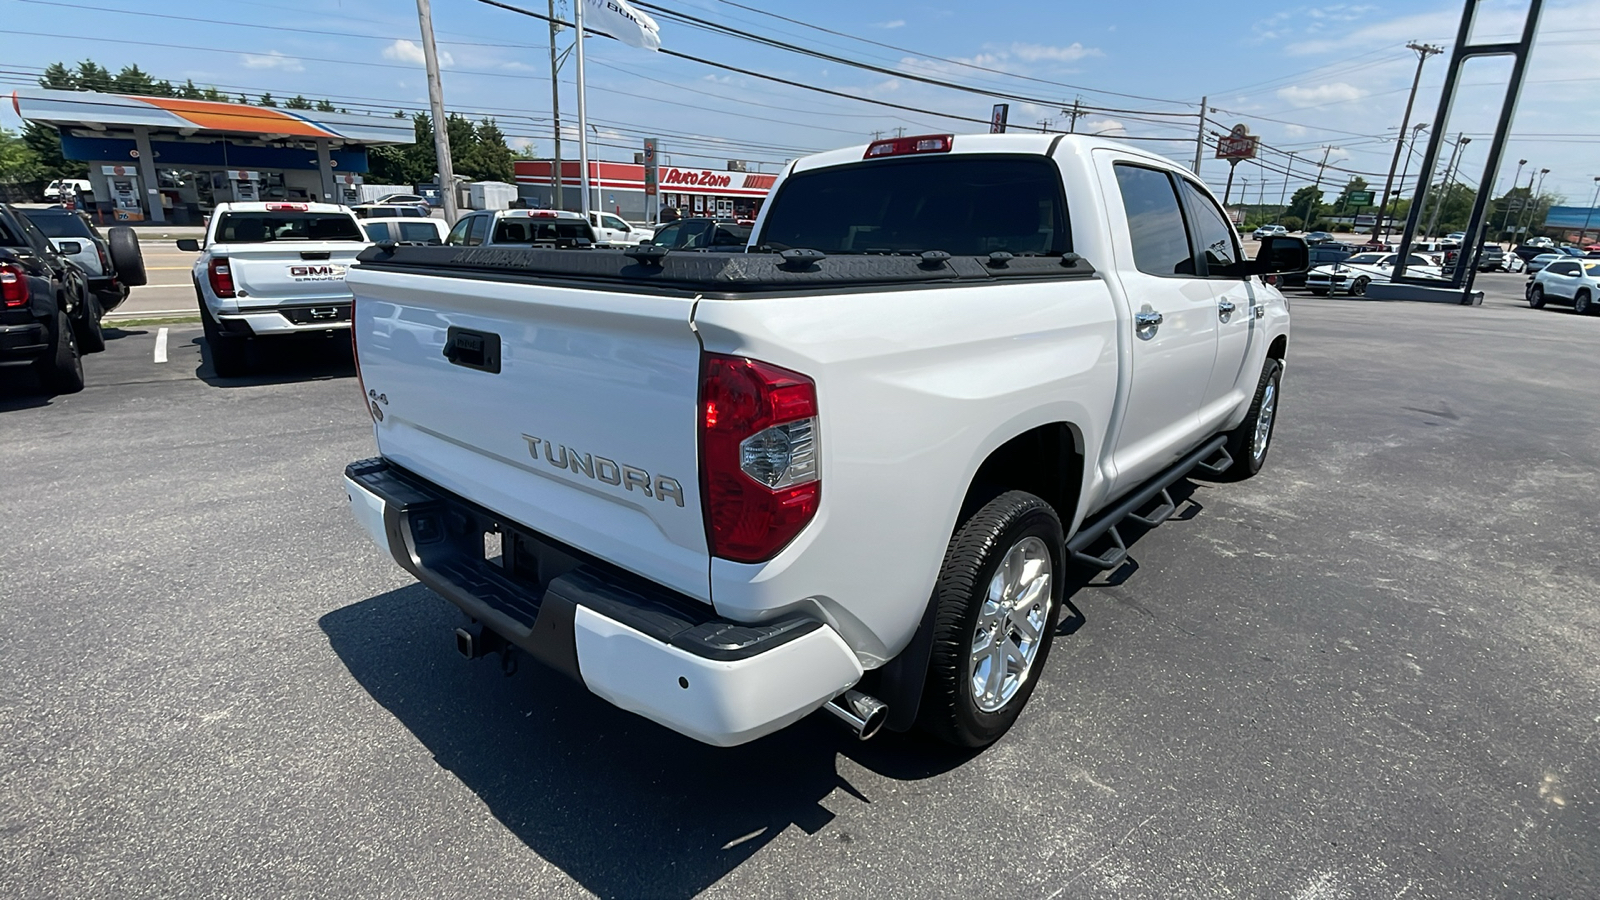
{"x":61,"y":369}
{"x":1358,"y":288}
{"x":90,"y":337}
{"x":997,"y":601}
{"x":230,"y":355}
{"x":1581,"y":304}
{"x":1536,"y":297}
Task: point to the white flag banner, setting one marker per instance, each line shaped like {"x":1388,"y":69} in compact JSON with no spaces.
{"x":619,"y":19}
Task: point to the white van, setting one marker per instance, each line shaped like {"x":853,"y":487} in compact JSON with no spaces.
{"x":53,"y":190}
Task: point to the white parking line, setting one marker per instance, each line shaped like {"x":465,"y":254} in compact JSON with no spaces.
{"x":161,"y":346}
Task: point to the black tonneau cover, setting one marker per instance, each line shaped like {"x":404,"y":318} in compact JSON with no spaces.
{"x":712,"y":273}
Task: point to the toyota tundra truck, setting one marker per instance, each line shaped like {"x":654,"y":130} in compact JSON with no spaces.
{"x":270,"y":271}
{"x":846,"y":469}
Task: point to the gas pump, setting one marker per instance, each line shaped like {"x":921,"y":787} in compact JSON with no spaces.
{"x":246,"y":185}
{"x":124,"y":182}
{"x":349,"y":189}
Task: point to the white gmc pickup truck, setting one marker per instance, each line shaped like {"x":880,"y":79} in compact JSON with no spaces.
{"x":272,"y":270}
{"x":845,"y":469}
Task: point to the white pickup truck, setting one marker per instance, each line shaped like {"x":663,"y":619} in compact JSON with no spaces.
{"x":272,"y":270}
{"x":847,"y":469}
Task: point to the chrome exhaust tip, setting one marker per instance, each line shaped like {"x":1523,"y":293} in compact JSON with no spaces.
{"x":861,"y":714}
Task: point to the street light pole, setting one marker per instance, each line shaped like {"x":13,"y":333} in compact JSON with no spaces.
{"x":1423,"y":52}
{"x":1449,"y":178}
{"x":557,"y":191}
{"x":441,"y":125}
{"x":1506,"y":216}
{"x":1533,"y":195}
{"x":1288,"y":172}
{"x":1411,"y":149}
{"x":1584,"y":234}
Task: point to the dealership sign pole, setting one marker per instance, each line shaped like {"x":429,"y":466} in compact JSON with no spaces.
{"x":613,"y":18}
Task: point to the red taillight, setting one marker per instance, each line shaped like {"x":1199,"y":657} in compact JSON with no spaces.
{"x":105,"y":263}
{"x":926,"y":143}
{"x":287,"y":207}
{"x":760,"y":480}
{"x":221,"y":275}
{"x":13,"y":285}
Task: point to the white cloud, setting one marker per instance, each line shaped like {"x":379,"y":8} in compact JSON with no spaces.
{"x":1104,"y":127}
{"x":1294,"y":130}
{"x":895,"y":23}
{"x":1039,"y":52}
{"x":1337,"y":92}
{"x":411,"y":52}
{"x":272,"y":59}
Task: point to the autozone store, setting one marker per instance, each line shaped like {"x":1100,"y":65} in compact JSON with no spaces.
{"x":619,"y":188}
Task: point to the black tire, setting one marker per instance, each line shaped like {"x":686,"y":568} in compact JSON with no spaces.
{"x":1536,"y":297}
{"x":1358,"y":288}
{"x":1581,"y":304}
{"x":950,"y":710}
{"x":61,"y":369}
{"x":126,"y":257}
{"x":230,"y":355}
{"x":1319,"y":292}
{"x":1242,"y":440}
{"x":91,"y":339}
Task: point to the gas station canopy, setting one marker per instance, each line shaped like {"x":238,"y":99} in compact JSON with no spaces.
{"x":191,"y":154}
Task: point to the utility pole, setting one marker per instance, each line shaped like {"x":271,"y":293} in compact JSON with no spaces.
{"x":1449,"y":179}
{"x":1405,"y":168}
{"x":1423,"y":52}
{"x":557,"y":192}
{"x":1044,"y":126}
{"x":441,"y":129}
{"x":1533,"y":199}
{"x":1316,"y":202}
{"x":900,"y":132}
{"x":1200,"y":138}
{"x":1506,"y":216}
{"x":1288,"y":172}
{"x":1584,"y":234}
{"x":1073,"y":114}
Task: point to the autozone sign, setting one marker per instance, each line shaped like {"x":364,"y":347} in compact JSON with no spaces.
{"x":703,"y":178}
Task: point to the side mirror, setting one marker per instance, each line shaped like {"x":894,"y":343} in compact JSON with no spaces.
{"x":189,"y":244}
{"x":69,"y":248}
{"x":1281,"y":255}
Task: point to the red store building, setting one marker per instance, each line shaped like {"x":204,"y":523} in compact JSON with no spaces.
{"x":619,"y":188}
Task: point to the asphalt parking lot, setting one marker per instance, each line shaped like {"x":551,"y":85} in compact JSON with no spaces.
{"x":1371,"y":671}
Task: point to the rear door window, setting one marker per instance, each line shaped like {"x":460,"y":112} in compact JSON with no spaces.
{"x":270,"y":226}
{"x":417,"y":232}
{"x":1155,"y":222}
{"x":965,"y":205}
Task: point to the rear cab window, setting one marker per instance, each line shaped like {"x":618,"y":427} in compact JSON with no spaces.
{"x":273,"y":225}
{"x":530,"y":230}
{"x":62,"y":226}
{"x":965,"y":205}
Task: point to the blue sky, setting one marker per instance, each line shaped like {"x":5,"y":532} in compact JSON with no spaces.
{"x":1305,"y":78}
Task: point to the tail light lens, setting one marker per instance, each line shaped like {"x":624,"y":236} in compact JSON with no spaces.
{"x":105,"y":262}
{"x":759,"y":477}
{"x":221,"y":276}
{"x":13,"y":285}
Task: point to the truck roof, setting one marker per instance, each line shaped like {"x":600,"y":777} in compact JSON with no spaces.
{"x":1031,"y":144}
{"x":280,"y":206}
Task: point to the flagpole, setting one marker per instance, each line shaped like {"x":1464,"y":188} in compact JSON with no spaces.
{"x":583,"y":115}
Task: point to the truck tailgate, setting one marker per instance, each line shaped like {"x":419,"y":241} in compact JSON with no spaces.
{"x":571,"y":412}
{"x":298,"y":272}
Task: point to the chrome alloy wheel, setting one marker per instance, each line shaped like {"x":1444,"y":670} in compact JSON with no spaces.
{"x":1269,"y":405}
{"x":1011,"y":624}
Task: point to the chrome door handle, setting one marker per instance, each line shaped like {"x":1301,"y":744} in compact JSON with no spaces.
{"x":1225,"y":309}
{"x":1145,"y":322}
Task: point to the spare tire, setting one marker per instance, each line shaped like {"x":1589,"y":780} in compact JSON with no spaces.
{"x":126,"y":257}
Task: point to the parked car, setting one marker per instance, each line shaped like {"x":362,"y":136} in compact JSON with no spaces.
{"x":1319,"y":237}
{"x":523,"y":228}
{"x":411,"y":199}
{"x":1538,"y":263}
{"x":1571,"y":251}
{"x":1528,"y":251}
{"x":1541,"y":242}
{"x":1568,"y":282}
{"x":582,"y":451}
{"x":701,"y":233}
{"x":56,"y":190}
{"x":44,"y":305}
{"x":1354,"y":274}
{"x":1492,"y":258}
{"x":1268,"y":231}
{"x":1456,"y":237}
{"x":112,"y":262}
{"x":273,"y":271}
{"x":404,"y":231}
{"x":389,"y":211}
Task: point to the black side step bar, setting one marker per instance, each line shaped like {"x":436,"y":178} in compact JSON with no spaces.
{"x":1210,"y":456}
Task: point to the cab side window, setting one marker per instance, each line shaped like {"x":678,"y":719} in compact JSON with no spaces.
{"x":1219,"y":243}
{"x":1155,"y":222}
{"x":458,"y":234}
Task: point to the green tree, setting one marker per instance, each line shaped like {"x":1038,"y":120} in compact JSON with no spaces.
{"x":1306,"y":205}
{"x":189,"y":91}
{"x":211,"y":93}
{"x":1356,"y":183}
{"x":324,"y":106}
{"x":297,"y":102}
{"x":17,"y":163}
{"x":266,"y":100}
{"x":58,"y":77}
{"x":92,"y":76}
{"x":134,"y":80}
